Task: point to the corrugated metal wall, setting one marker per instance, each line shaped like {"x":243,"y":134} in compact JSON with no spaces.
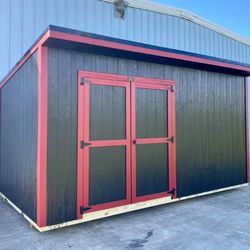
{"x":22,"y":21}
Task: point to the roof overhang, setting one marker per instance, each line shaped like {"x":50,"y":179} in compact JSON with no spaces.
{"x":59,"y":37}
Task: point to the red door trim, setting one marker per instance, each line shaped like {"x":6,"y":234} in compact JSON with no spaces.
{"x":152,"y":140}
{"x":172,"y":146}
{"x":247,"y":129}
{"x":79,"y":150}
{"x":152,"y":84}
{"x":133,"y":138}
{"x":104,"y":76}
{"x":152,"y":81}
{"x":86,"y":149}
{"x":83,"y":134}
{"x":42,"y":137}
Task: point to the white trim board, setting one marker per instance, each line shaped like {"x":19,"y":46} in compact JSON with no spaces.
{"x":32,"y":223}
{"x":164,"y":9}
{"x":116,"y":210}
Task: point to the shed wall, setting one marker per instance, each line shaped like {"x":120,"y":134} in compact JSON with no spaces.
{"x":21,"y":23}
{"x":18,"y":138}
{"x":210,"y":123}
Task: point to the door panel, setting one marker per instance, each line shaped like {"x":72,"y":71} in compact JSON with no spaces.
{"x":125,"y":128}
{"x":106,"y":143}
{"x":107,"y":174}
{"x":108,"y":108}
{"x":151,"y":125}
{"x":151,"y":113}
{"x":151,"y":169}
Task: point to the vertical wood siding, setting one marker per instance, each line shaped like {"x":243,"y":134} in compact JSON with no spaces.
{"x":18,"y":138}
{"x":210,"y":120}
{"x":21,"y":22}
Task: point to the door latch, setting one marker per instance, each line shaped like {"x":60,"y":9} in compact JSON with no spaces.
{"x":84,"y":144}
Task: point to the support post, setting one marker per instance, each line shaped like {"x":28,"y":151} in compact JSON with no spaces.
{"x":42,"y":137}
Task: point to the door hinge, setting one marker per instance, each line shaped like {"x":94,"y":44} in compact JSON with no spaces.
{"x":84,"y":209}
{"x":171,"y":139}
{"x":84,"y":80}
{"x":173,"y":191}
{"x":84,"y":144}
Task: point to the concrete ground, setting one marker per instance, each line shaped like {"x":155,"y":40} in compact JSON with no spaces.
{"x":218,"y":221}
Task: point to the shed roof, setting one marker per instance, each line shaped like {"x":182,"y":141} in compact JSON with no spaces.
{"x":55,"y":36}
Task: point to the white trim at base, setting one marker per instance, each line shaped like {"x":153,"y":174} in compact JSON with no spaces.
{"x":32,"y":223}
{"x":213,"y":191}
{"x":117,"y":210}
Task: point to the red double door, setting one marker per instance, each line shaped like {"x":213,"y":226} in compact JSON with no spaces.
{"x":126,"y":136}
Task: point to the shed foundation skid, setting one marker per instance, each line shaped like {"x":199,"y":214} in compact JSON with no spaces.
{"x":115,"y":211}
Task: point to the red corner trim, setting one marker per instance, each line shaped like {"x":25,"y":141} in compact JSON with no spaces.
{"x":247,"y":130}
{"x":42,"y":138}
{"x":25,"y":58}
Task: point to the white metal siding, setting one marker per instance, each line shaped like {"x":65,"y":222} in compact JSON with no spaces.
{"x":22,"y":21}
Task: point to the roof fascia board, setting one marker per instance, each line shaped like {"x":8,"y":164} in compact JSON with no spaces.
{"x":139,"y":49}
{"x":51,"y":32}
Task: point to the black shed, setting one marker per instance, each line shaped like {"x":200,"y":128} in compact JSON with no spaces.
{"x":93,"y":126}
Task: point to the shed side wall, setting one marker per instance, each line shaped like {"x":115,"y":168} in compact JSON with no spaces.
{"x":210,"y":123}
{"x":18,"y":153}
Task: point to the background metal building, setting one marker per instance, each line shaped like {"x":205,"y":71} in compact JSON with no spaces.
{"x":21,"y":23}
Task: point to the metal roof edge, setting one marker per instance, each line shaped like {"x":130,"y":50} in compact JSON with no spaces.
{"x":47,"y":34}
{"x":164,"y":9}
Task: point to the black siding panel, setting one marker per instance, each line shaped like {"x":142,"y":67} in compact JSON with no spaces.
{"x":61,"y":168}
{"x":151,"y":113}
{"x":108,"y":108}
{"x":18,"y":153}
{"x":152,"y":169}
{"x":210,"y":123}
{"x":107,"y":174}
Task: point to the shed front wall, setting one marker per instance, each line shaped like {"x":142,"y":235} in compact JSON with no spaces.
{"x":210,"y":124}
{"x":18,"y":138}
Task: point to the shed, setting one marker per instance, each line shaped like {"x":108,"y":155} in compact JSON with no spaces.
{"x":93,"y":126}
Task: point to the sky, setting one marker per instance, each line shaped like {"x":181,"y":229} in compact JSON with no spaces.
{"x":231,"y":14}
